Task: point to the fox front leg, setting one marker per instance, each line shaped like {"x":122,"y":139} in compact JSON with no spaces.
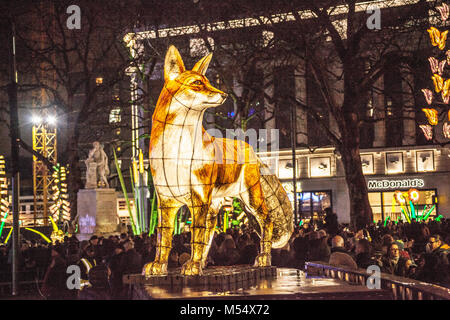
{"x":193,"y":266}
{"x":166,"y":212}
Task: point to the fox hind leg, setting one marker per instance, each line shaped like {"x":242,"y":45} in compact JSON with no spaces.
{"x":254,"y":199}
{"x":211,"y":221}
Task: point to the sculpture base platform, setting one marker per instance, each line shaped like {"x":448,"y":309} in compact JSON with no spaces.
{"x":245,"y":282}
{"x":97,"y":212}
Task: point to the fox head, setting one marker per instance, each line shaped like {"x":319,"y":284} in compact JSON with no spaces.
{"x":189,"y":89}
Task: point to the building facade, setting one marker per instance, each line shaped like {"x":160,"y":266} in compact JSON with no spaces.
{"x":321,"y":180}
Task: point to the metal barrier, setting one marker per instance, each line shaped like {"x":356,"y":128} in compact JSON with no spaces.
{"x":402,"y":288}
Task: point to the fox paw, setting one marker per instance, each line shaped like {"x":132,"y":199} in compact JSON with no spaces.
{"x":263,"y":260}
{"x":154,"y":268}
{"x":191,"y":268}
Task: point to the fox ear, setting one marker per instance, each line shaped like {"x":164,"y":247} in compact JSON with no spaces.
{"x":202,"y":65}
{"x":173,"y":64}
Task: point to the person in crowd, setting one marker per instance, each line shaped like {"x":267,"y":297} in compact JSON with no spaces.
{"x":227,"y":253}
{"x":99,"y":288}
{"x":339,"y":256}
{"x":331,"y":222}
{"x":131,"y":260}
{"x":318,"y":249}
{"x":54,"y":284}
{"x":115,"y":265}
{"x":363,"y":252}
{"x":173,"y":259}
{"x":386,"y":240}
{"x":86,"y":263}
{"x":394,"y":263}
{"x":439,"y":248}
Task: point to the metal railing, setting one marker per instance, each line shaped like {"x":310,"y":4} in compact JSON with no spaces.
{"x":402,"y":288}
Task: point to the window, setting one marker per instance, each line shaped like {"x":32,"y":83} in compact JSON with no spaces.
{"x":312,"y":204}
{"x":384,"y":205}
{"x":114,"y":116}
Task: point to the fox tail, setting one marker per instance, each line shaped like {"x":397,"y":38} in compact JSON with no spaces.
{"x":279,"y":205}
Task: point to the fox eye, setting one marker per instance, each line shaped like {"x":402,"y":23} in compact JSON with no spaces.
{"x":197,"y":83}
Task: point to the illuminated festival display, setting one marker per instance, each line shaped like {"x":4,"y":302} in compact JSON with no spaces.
{"x":408,"y":205}
{"x":4,"y":197}
{"x":190,"y":167}
{"x":60,"y":209}
{"x":441,"y":84}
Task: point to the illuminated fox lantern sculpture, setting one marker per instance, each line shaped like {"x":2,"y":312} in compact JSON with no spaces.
{"x":192,"y":168}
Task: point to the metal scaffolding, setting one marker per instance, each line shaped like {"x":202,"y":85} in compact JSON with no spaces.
{"x":44,"y":142}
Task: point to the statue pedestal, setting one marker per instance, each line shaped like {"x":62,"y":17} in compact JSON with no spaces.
{"x":97,"y":212}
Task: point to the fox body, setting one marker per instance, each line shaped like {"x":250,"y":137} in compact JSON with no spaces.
{"x":192,"y":168}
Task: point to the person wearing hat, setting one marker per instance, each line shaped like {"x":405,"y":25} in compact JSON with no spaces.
{"x":403,"y":252}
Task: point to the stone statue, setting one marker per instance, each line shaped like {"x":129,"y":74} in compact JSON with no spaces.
{"x":97,"y":168}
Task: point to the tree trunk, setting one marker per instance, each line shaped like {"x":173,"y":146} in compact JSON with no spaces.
{"x":360,"y":210}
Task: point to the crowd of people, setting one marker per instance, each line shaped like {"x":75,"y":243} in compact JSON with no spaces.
{"x":417,"y":250}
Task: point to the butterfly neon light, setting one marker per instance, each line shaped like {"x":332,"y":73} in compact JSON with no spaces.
{"x":432,"y":115}
{"x":427,"y":131}
{"x":443,"y":10}
{"x":438,"y":38}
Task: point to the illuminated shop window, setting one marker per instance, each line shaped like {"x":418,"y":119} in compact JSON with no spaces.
{"x":383,"y":207}
{"x":312,"y":204}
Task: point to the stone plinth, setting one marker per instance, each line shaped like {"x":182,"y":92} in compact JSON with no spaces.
{"x":97,"y":212}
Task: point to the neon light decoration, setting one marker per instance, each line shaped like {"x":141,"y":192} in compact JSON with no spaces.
{"x":436,"y":66}
{"x":427,"y":131}
{"x":406,"y":201}
{"x":428,"y":95}
{"x":437,"y":38}
{"x":4,"y":199}
{"x":413,"y":195}
{"x":60,"y":209}
{"x":441,"y":85}
{"x":446,"y":130}
{"x":432,"y":115}
{"x":443,"y":10}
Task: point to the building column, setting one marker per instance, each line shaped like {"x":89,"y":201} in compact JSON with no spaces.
{"x":380,"y":114}
{"x":409,"y":123}
{"x":301,"y":97}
